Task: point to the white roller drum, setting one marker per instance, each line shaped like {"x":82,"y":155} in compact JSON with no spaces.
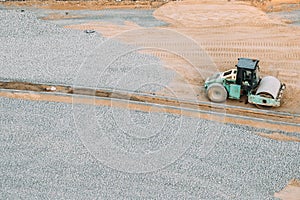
{"x":269,"y":85}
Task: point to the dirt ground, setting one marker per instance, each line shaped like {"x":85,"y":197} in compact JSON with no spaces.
{"x":290,"y":192}
{"x":237,"y":30}
{"x":91,"y":5}
{"x":240,"y":30}
{"x":278,"y":5}
{"x":265,"y":5}
{"x":279,"y":137}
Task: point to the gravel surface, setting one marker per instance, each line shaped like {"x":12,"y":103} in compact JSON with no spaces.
{"x":54,"y":150}
{"x":43,"y":156}
{"x":143,"y":18}
{"x":292,"y":16}
{"x":39,"y":51}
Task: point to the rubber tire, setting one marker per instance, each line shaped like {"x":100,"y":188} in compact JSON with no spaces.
{"x":216,"y":93}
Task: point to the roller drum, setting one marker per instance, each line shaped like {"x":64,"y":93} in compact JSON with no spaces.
{"x":269,"y":86}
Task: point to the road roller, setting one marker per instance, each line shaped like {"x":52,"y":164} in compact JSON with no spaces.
{"x":245,"y":80}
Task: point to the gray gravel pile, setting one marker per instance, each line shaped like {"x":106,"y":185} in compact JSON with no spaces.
{"x":42,"y":156}
{"x":48,"y":151}
{"x":143,"y":18}
{"x":15,"y":23}
{"x":38,"y":51}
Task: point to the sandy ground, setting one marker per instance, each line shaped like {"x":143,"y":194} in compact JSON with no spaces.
{"x":290,"y":192}
{"x":91,"y":5}
{"x":278,"y":5}
{"x":267,"y":5}
{"x":146,"y":108}
{"x":237,"y":30}
{"x":279,"y":137}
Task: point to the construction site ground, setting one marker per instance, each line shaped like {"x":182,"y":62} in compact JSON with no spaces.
{"x":224,"y":31}
{"x":237,"y":30}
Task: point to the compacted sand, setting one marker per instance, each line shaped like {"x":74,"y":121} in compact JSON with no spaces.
{"x":238,"y":29}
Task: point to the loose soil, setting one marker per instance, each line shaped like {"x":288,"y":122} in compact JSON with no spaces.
{"x":236,"y":30}
{"x":146,"y":108}
{"x":278,"y":5}
{"x":90,"y":5}
{"x":279,"y":137}
{"x":153,"y":98}
{"x":290,"y":192}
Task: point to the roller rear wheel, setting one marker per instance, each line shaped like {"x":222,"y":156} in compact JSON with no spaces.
{"x":216,"y":93}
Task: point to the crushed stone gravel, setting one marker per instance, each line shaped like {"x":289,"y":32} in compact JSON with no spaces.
{"x":43,"y":156}
{"x":38,"y":51}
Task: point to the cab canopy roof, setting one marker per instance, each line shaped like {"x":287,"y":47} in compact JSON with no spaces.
{"x":247,"y":63}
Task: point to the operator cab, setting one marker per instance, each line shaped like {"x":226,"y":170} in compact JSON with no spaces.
{"x":247,"y":74}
